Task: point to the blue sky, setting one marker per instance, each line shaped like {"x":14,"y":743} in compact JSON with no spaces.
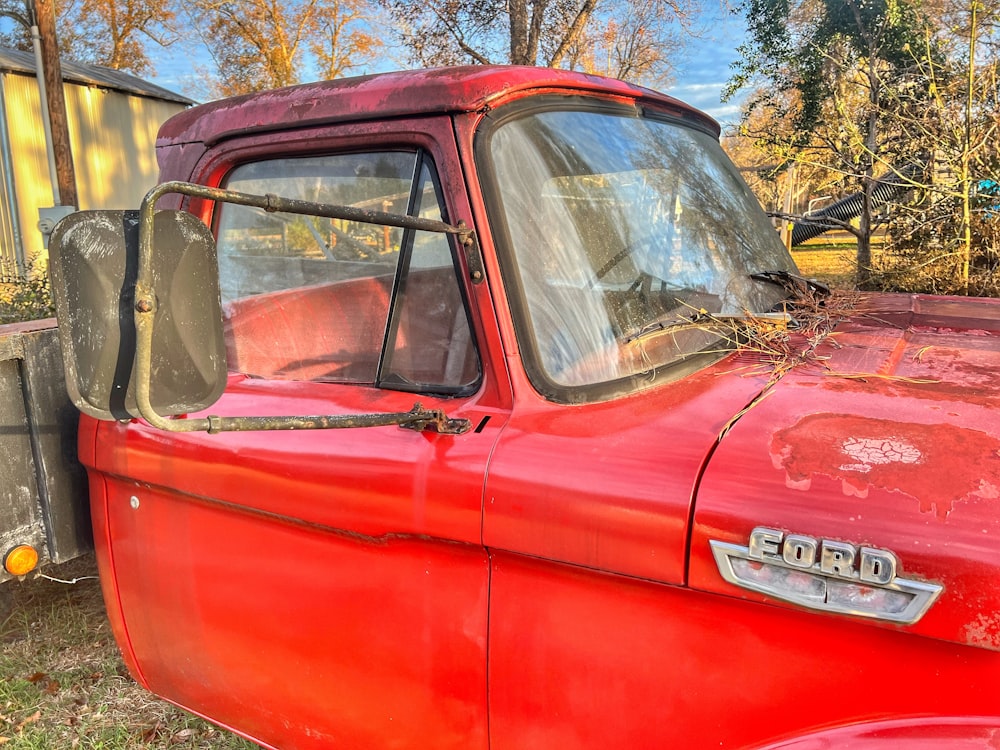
{"x":705,"y":71}
{"x":702,"y":70}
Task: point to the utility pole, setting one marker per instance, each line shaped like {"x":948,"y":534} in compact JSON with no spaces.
{"x":45,"y":20}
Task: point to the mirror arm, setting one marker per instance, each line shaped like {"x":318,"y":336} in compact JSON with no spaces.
{"x":274,"y":203}
{"x":418,"y":418}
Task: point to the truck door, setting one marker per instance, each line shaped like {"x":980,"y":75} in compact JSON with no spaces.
{"x":320,"y":588}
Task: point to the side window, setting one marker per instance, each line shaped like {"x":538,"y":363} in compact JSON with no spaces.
{"x":309,"y":298}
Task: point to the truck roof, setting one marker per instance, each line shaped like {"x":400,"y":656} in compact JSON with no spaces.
{"x":385,"y":95}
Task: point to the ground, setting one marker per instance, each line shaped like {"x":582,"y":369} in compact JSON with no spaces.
{"x":833,"y":264}
{"x":62,"y":681}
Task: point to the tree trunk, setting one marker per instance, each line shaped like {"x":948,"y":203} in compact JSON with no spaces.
{"x":866,"y":220}
{"x":573,"y":33}
{"x":518,"y":10}
{"x":864,"y":254}
{"x":965,"y":168}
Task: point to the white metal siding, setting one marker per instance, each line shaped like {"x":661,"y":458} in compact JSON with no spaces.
{"x":112,"y":136}
{"x":27,"y":148}
{"x":11,"y":258}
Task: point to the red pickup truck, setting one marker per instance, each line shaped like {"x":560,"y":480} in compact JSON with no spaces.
{"x":620,"y":478}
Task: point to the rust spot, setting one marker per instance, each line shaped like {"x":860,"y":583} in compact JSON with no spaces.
{"x":938,"y":465}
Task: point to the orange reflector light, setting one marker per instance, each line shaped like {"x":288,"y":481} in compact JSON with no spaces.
{"x":21,"y":560}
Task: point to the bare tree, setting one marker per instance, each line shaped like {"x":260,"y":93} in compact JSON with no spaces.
{"x":626,"y":39}
{"x":638,"y":43}
{"x":255,"y":42}
{"x":342,"y":39}
{"x":113,"y":33}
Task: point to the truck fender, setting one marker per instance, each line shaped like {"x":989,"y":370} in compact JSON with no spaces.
{"x":925,"y":733}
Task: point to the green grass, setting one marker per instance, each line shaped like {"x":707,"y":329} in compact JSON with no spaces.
{"x":63,"y":684}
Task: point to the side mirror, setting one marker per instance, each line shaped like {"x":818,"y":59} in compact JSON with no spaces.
{"x":94,"y":264}
{"x":140,"y":316}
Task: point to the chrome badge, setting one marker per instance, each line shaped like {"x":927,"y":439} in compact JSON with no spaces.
{"x":826,"y":575}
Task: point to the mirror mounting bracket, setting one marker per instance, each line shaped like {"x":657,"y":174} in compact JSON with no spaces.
{"x":417,"y":418}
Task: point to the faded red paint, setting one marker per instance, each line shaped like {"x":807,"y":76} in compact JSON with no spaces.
{"x":891,"y":442}
{"x":938,"y":465}
{"x":932,"y":733}
{"x":185,"y":138}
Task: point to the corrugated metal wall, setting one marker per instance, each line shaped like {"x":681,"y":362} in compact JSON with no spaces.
{"x":112,"y":136}
{"x":11,"y":258}
{"x":26,"y":146}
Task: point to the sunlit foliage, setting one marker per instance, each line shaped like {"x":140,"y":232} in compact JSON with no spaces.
{"x":261,"y":44}
{"x":112,"y":33}
{"x":856,"y":91}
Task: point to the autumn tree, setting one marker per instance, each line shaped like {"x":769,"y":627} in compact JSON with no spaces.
{"x":254,"y":43}
{"x":783,"y":176}
{"x":112,"y":33}
{"x":261,"y":44}
{"x":926,"y":116}
{"x":829,"y":67}
{"x":625,"y":39}
{"x":14,"y":24}
{"x":639,"y":42}
{"x":341,"y":41}
{"x":949,"y":240}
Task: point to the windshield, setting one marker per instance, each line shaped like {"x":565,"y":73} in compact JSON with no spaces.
{"x":626,"y":235}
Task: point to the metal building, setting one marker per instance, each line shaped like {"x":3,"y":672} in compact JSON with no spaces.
{"x":113,"y":119}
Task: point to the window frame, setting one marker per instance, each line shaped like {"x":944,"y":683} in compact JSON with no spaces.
{"x":402,"y":269}
{"x":509,"y":269}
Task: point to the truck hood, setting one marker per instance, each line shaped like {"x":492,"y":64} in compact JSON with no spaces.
{"x":886,"y":440}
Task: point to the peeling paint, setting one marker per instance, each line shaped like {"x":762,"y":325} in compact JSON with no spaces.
{"x":984,"y":631}
{"x":918,"y":460}
{"x":873,"y":452}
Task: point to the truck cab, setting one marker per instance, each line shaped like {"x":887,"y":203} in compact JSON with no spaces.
{"x":683,"y":497}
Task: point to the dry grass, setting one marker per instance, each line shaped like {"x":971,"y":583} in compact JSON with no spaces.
{"x":834,"y":265}
{"x":777,"y":344}
{"x":774,"y":345}
{"x":63,"y":683}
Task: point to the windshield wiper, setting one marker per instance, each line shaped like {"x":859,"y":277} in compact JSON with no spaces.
{"x":666,"y":324}
{"x":707,"y":319}
{"x":792,"y":283}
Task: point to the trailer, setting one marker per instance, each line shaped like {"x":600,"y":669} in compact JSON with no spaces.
{"x":44,"y":513}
